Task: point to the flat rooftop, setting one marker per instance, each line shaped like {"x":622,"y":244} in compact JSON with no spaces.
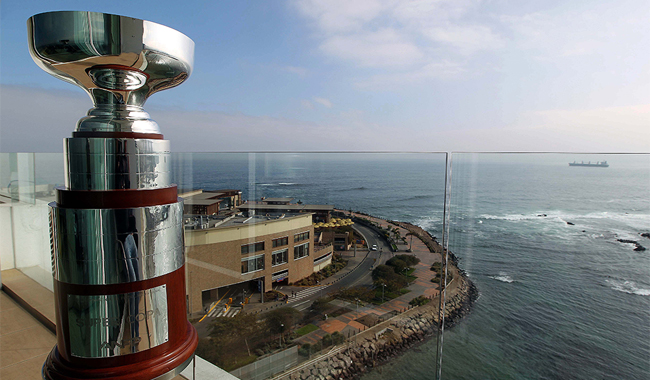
{"x":243,"y":220}
{"x":210,"y":222}
{"x":277,"y":200}
{"x":292,"y":207}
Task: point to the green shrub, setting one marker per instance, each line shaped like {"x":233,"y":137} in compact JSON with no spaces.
{"x":337,"y":338}
{"x":382,"y":272}
{"x":419,"y":301}
{"x":320,"y":304}
{"x":281,"y":320}
{"x":398,"y":264}
{"x":304,"y":350}
{"x":358,"y":292}
{"x":326,"y":340}
{"x":410,"y":260}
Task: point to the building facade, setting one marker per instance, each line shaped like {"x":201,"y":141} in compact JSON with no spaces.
{"x":246,"y":255}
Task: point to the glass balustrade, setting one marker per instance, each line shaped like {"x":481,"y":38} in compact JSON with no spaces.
{"x":546,"y":270}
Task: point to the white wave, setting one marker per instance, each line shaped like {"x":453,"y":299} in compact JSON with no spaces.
{"x":429,"y":223}
{"x":629,"y":287}
{"x":637,"y":221}
{"x":503,"y":277}
{"x":515,"y":217}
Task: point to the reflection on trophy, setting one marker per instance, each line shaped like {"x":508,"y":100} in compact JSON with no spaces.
{"x":116,"y":227}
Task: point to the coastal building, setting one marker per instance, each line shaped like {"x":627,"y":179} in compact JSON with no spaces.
{"x":204,"y":202}
{"x":234,"y":258}
{"x":273,"y":206}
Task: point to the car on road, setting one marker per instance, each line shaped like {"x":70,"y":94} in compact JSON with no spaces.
{"x":374,"y":247}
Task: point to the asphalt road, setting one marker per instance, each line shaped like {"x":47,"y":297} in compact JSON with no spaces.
{"x":359,"y":276}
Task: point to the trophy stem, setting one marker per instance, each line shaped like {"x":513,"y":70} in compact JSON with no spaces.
{"x":112,"y":117}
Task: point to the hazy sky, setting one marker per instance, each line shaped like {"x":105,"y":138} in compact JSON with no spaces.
{"x":371,"y":75}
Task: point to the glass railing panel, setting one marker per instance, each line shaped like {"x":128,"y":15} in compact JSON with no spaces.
{"x":556,"y":253}
{"x":252,"y":292}
{"x":48,"y":174}
{"x":17,"y":177}
{"x":28,"y":182}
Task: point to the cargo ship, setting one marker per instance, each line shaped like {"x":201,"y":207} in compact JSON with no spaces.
{"x":598,"y":164}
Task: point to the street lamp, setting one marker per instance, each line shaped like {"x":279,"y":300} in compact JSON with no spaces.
{"x":383,"y":286}
{"x":281,"y":331}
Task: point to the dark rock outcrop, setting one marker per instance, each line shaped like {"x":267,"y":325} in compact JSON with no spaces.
{"x":637,"y":247}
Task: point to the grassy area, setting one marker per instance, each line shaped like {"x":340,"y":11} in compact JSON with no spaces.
{"x":239,"y":362}
{"x":306,"y":329}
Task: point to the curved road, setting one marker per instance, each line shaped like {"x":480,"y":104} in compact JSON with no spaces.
{"x":361,"y":275}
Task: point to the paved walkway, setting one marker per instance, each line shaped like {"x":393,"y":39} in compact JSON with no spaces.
{"x":348,"y":325}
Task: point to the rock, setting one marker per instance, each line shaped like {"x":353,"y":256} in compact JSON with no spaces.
{"x":645,"y":235}
{"x":637,"y":247}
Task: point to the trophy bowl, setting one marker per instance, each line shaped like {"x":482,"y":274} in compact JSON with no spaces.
{"x":119,"y":61}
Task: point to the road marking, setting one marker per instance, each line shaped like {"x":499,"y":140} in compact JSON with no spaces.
{"x":308,"y":292}
{"x":213,"y":306}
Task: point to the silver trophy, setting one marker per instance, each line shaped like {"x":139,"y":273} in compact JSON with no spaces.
{"x":119,"y":61}
{"x":116,"y":227}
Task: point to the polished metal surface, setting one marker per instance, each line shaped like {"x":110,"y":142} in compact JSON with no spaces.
{"x":116,"y":164}
{"x":104,"y":326}
{"x":109,"y":181}
{"x":115,"y":146}
{"x":114,"y":246}
{"x":119,"y":61}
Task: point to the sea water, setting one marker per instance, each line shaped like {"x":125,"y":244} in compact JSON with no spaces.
{"x":560,"y":297}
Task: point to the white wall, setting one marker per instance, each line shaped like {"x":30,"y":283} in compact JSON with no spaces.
{"x":6,"y":238}
{"x":25,"y":242}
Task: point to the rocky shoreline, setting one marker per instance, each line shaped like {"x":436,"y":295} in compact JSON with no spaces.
{"x":385,"y":341}
{"x":382,"y":342}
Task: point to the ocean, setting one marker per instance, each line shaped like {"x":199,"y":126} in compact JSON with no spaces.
{"x":560,"y":297}
{"x":557,"y":300}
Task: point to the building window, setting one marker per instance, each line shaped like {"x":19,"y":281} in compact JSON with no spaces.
{"x":252,"y":264}
{"x":280,"y":257}
{"x":279,"y":242}
{"x":279,"y":276}
{"x":252,"y":248}
{"x":301,"y":236}
{"x":322,"y":258}
{"x":300,"y":251}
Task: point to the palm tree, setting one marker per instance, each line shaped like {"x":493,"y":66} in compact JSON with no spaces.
{"x":411,"y":234}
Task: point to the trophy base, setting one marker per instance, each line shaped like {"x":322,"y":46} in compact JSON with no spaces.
{"x":163,"y":367}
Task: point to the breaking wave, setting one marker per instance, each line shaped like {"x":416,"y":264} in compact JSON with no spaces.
{"x":643,"y":218}
{"x":503,"y":277}
{"x":629,"y":287}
